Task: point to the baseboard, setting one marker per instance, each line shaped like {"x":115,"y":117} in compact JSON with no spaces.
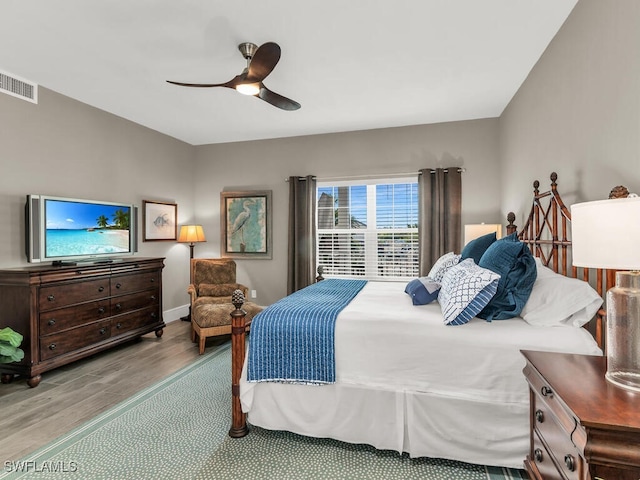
{"x":175,"y":313}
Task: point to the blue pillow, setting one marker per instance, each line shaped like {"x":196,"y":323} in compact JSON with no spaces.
{"x":466,"y":289}
{"x":515,"y":264}
{"x":422,"y":290}
{"x":476,"y":247}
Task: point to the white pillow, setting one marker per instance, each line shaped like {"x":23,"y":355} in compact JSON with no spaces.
{"x":444,"y":263}
{"x":557,"y":300}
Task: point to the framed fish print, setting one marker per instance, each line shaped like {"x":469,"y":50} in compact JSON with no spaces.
{"x":245,"y":224}
{"x":159,"y":220}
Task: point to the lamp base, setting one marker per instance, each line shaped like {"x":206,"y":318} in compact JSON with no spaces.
{"x":623,"y":331}
{"x":630,"y":381}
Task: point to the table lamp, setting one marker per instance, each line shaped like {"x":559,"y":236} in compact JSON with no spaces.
{"x":606,"y":234}
{"x":475,"y":230}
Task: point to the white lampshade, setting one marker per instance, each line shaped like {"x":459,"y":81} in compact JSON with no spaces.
{"x":473,"y":231}
{"x":606,"y":234}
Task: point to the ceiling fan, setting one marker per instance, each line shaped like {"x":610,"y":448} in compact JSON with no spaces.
{"x":260,"y":63}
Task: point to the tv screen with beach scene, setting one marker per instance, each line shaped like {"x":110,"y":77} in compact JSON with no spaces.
{"x":72,"y":229}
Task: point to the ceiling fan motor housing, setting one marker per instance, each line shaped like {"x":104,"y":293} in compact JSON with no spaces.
{"x":247,"y":49}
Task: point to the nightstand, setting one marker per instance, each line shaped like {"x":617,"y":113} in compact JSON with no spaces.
{"x":582,"y":427}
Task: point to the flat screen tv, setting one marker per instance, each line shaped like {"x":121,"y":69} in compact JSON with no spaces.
{"x":68,"y":230}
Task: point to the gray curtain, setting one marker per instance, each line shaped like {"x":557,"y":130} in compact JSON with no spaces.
{"x":439,"y":214}
{"x":302,"y":233}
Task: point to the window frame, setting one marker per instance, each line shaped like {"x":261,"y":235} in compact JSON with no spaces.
{"x":371,"y":235}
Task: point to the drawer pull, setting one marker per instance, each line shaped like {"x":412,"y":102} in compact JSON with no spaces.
{"x":118,"y":306}
{"x":537,"y":454}
{"x":570,"y":462}
{"x":153,"y":315}
{"x":153,"y":298}
{"x":51,"y":298}
{"x":101,"y":310}
{"x":539,"y":416}
{"x":101,"y":289}
{"x":51,"y":322}
{"x":153,"y":280}
{"x":118,"y":326}
{"x":52,"y":346}
{"x":118,"y":285}
{"x":546,"y":391}
{"x":103,"y":331}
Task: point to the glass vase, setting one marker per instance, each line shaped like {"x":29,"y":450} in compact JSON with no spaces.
{"x":623,"y":331}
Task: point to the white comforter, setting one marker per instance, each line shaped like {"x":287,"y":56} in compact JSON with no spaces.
{"x":383,"y":340}
{"x":407,"y":382}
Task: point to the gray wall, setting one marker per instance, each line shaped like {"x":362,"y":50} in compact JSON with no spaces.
{"x":266,"y":164}
{"x":66,"y":148}
{"x":578,"y":112}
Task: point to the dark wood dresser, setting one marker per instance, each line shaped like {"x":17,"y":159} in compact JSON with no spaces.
{"x":582,"y":427}
{"x":66,"y":313}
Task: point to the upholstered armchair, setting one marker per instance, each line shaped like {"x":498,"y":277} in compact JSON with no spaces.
{"x":213,"y":283}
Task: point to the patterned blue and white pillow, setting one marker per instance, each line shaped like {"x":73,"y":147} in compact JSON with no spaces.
{"x":466,"y":290}
{"x":444,"y":263}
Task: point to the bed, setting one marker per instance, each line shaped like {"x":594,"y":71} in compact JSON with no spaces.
{"x":404,"y":381}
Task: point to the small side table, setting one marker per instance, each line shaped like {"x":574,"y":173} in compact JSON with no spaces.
{"x":582,"y":427}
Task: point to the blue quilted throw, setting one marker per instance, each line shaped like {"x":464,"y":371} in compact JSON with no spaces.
{"x":292,"y":340}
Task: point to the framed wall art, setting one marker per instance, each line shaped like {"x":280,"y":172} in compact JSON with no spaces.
{"x":159,"y":221}
{"x":245,"y":224}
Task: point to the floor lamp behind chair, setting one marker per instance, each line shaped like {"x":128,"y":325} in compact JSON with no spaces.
{"x":191,"y":234}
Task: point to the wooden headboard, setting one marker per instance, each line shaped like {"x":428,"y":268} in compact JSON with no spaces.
{"x":547,"y":233}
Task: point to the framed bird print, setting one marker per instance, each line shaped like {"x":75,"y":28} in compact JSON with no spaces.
{"x":245,"y":224}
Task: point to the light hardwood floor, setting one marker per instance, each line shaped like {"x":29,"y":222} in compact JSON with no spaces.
{"x":72,"y":394}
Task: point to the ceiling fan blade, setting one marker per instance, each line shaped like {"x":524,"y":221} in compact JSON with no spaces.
{"x":263,"y":62}
{"x":230,"y":84}
{"x":276,"y":99}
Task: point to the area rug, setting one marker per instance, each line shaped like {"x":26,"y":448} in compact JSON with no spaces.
{"x":177,"y":429}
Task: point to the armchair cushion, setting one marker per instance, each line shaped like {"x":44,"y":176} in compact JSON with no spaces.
{"x":219,"y":290}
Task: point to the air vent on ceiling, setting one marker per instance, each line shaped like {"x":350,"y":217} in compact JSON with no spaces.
{"x":18,"y":87}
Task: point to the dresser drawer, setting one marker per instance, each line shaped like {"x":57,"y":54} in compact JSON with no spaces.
{"x":74,"y":339}
{"x":54,"y":321}
{"x":558,"y":440}
{"x":544,"y":393}
{"x":121,"y":324}
{"x":134,"y":301}
{"x":135,"y":282}
{"x":542,"y":459}
{"x":71,"y":293}
{"x":601,"y":472}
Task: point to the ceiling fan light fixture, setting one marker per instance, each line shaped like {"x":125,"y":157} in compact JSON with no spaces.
{"x":248,"y":88}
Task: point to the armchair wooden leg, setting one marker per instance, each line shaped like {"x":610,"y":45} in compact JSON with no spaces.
{"x":201,"y":344}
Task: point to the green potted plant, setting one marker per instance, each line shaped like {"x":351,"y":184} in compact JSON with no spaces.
{"x":9,"y":343}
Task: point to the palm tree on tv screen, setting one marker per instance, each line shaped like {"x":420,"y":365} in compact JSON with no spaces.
{"x":102,"y":221}
{"x":121,"y":219}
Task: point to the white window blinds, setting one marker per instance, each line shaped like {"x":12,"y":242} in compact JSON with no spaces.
{"x":368,"y":229}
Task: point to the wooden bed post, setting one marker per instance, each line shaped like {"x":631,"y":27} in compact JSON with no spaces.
{"x":238,"y":334}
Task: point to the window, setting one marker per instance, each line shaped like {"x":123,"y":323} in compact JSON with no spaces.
{"x":368,"y":229}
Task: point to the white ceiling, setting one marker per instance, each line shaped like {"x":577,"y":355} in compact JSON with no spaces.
{"x":352,"y":64}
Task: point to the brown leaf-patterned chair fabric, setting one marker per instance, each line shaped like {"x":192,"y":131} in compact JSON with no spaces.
{"x":214,"y":281}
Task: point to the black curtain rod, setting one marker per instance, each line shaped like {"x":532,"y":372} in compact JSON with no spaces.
{"x":382,"y":176}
